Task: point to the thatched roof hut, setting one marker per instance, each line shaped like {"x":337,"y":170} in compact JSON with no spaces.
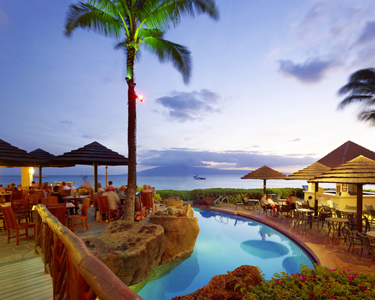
{"x":11,"y":156}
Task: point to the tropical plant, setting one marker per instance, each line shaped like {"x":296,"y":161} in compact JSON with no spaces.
{"x":361,"y":89}
{"x":139,"y":23}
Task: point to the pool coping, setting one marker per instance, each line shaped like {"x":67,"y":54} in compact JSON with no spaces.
{"x":309,"y":252}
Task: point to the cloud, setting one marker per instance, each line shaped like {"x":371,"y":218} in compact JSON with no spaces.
{"x":234,"y":159}
{"x":66,"y":122}
{"x":3,"y":19}
{"x":85,"y":136}
{"x":311,"y":71}
{"x":191,"y":106}
{"x":368,"y":34}
{"x":296,"y":140}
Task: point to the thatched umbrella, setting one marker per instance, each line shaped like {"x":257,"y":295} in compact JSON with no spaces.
{"x":264,"y":173}
{"x":46,"y":159}
{"x":11,"y":156}
{"x":309,"y":173}
{"x":92,"y":154}
{"x":359,"y":171}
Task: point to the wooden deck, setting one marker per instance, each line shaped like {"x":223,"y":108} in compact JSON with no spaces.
{"x":25,"y":279}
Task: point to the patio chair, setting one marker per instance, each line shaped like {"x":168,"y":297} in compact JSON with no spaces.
{"x":81,"y":217}
{"x":323,"y":214}
{"x":368,"y":244}
{"x":50,"y":200}
{"x":105,"y":210}
{"x":16,"y":195}
{"x":21,"y":209}
{"x":285,"y":210}
{"x":371,"y":216}
{"x":139,"y":206}
{"x":265,"y":209}
{"x":59,"y":211}
{"x":148,"y":200}
{"x":354,"y":239}
{"x":33,"y":200}
{"x":11,"y":224}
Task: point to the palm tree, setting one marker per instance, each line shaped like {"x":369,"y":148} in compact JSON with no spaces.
{"x":361,"y":88}
{"x":139,"y":23}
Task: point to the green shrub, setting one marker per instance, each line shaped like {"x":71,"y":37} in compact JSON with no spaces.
{"x":319,"y":283}
{"x":232,"y":194}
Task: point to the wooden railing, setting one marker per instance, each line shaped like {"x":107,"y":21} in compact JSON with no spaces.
{"x":76,"y":273}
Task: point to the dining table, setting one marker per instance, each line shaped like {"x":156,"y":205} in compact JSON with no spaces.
{"x":335,"y":224}
{"x":251,"y":202}
{"x":309,"y":212}
{"x":75,"y":199}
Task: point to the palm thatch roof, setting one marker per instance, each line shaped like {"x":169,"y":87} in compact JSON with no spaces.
{"x":43,"y":155}
{"x":91,"y":154}
{"x":309,"y":172}
{"x":358,"y":170}
{"x":11,"y":156}
{"x":344,"y":153}
{"x":264,"y":173}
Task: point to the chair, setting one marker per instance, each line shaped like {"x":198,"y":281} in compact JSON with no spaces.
{"x":104,"y":209}
{"x":33,"y":200}
{"x":11,"y":224}
{"x":95,"y":201}
{"x":285,"y":210}
{"x":323,"y":214}
{"x":65,"y":193}
{"x":50,"y":200}
{"x":81,"y":217}
{"x":354,"y":239}
{"x":138,"y":205}
{"x":16,"y":195}
{"x":368,"y":244}
{"x":148,"y":200}
{"x":21,"y":209}
{"x":371,"y":216}
{"x":59,"y":211}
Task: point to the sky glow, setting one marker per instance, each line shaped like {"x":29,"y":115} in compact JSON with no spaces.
{"x":263,"y":89}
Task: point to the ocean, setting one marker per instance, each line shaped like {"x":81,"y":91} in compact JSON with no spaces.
{"x":172,"y":182}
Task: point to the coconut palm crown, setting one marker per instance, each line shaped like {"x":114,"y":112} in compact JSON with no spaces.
{"x":135,"y":24}
{"x":361,"y":88}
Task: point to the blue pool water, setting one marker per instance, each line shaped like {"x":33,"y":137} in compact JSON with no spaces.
{"x":225,"y":242}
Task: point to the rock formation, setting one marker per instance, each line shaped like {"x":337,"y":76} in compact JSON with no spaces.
{"x":221,"y":287}
{"x":180,"y":229}
{"x":131,"y":250}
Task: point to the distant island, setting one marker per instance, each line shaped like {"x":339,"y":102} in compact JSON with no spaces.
{"x":184,"y":170}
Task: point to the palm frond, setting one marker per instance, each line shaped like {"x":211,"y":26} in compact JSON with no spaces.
{"x":367,"y":116}
{"x":122,"y":46}
{"x":354,"y":99}
{"x":357,"y":87}
{"x":364,"y":75}
{"x":167,"y":51}
{"x":88,"y":16}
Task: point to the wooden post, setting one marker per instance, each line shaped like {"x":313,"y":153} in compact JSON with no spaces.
{"x":40,"y":176}
{"x":359,"y":207}
{"x":264,"y":186}
{"x":106,"y":178}
{"x":96,"y":177}
{"x":316,"y":199}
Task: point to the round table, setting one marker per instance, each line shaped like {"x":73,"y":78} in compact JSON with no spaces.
{"x":332,"y":222}
{"x":307,"y":211}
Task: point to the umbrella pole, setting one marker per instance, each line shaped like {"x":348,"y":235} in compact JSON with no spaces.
{"x":316,"y":199}
{"x":264,"y":186}
{"x":106,"y":178}
{"x":40,"y":176}
{"x":359,"y":206}
{"x":96,"y":177}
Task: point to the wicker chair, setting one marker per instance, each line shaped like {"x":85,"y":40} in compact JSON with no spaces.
{"x":50,"y":200}
{"x":368,"y":244}
{"x":59,"y":211}
{"x":16,"y":195}
{"x":285,"y":210}
{"x":81,"y":217}
{"x":11,"y":224}
{"x":354,"y":239}
{"x":105,"y":210}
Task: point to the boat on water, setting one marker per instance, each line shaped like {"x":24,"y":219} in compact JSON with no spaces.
{"x":196,"y":177}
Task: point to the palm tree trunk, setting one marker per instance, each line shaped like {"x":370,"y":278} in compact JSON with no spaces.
{"x":132,"y":123}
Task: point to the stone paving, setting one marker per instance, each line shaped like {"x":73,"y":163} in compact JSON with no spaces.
{"x":331,"y":252}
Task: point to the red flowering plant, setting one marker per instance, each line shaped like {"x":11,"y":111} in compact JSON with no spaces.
{"x":313,"y":284}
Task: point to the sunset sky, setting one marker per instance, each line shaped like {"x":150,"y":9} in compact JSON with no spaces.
{"x":263,"y":89}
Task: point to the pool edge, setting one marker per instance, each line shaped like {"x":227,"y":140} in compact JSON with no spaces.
{"x":311,"y":254}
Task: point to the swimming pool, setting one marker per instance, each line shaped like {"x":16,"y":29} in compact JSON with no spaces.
{"x":225,"y":242}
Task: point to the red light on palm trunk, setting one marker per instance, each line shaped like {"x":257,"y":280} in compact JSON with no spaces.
{"x":140,"y":97}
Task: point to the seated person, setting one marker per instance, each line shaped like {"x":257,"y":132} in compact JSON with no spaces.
{"x":2,"y":189}
{"x":263,"y":201}
{"x":46,"y":189}
{"x":272,"y":204}
{"x":100,"y":189}
{"x":122,"y":191}
{"x":64,"y":186}
{"x":113,"y":199}
{"x":56,"y":193}
{"x":72,"y":190}
{"x":12,"y":187}
{"x":110,"y":187}
{"x":33,"y":185}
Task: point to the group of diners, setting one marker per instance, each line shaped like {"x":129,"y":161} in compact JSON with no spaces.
{"x":268,"y":203}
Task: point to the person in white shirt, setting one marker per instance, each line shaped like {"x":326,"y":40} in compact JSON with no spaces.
{"x":113,"y":199}
{"x":72,"y":190}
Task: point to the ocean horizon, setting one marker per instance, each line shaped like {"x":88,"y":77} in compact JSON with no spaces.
{"x":171,"y":182}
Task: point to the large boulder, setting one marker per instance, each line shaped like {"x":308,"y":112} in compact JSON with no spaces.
{"x":221,"y":287}
{"x":180,"y":229}
{"x":131,"y":250}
